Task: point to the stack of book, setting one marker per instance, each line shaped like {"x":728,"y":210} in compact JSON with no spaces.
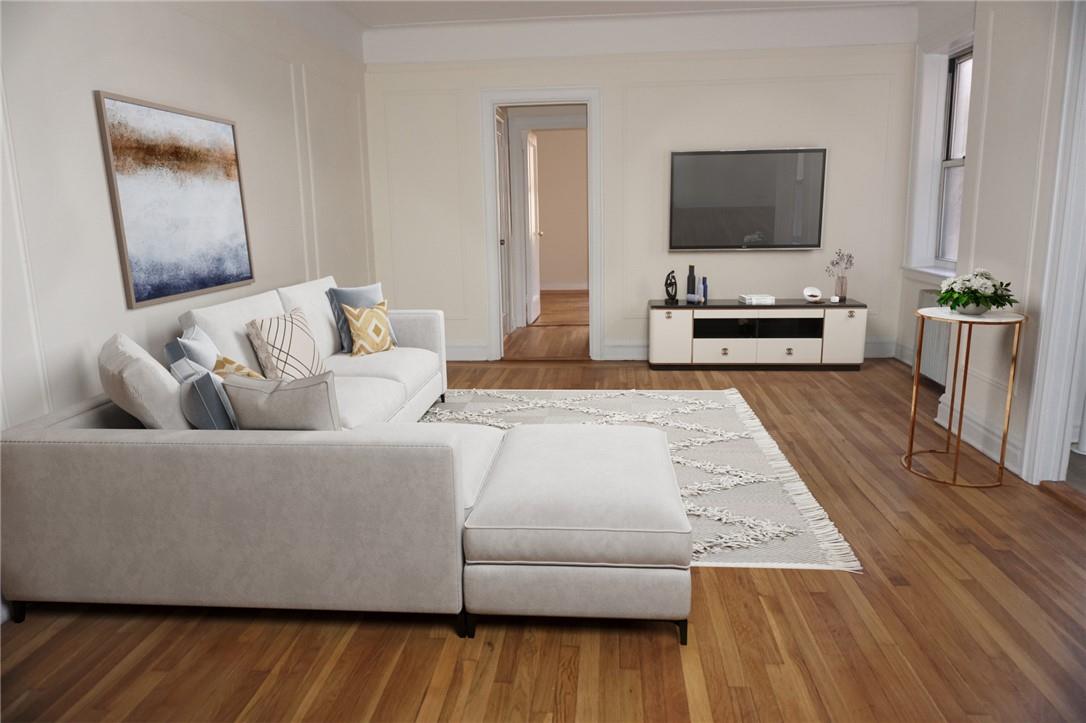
{"x":757,"y":299}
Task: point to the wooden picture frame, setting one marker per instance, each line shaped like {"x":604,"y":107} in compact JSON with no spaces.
{"x":178,"y":203}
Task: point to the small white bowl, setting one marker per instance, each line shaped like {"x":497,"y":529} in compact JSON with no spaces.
{"x":812,"y":293}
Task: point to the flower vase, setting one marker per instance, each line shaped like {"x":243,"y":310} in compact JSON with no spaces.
{"x":840,"y":287}
{"x":972,"y":309}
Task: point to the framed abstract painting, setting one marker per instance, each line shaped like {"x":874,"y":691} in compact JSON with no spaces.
{"x":178,"y":209}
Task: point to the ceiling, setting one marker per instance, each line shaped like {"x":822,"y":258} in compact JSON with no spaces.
{"x":398,"y":13}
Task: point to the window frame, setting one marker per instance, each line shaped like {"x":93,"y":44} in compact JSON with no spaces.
{"x":948,"y":161}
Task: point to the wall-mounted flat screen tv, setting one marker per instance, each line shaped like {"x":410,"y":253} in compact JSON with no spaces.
{"x":724,"y":200}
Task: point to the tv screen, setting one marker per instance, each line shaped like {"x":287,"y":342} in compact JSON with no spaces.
{"x":747,"y":199}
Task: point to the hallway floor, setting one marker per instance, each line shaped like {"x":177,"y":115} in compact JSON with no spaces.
{"x":560,"y":332}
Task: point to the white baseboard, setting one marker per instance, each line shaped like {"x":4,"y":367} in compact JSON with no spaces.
{"x":879,"y":348}
{"x":467,"y":352}
{"x":577,"y":286}
{"x":985,"y":437}
{"x":632,"y":351}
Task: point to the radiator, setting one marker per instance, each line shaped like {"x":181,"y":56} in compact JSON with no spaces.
{"x":934,"y":358}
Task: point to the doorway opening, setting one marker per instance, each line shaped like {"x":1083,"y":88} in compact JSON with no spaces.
{"x":543,"y":230}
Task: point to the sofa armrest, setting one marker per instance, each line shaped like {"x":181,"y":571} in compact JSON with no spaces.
{"x":368,"y":519}
{"x":423,"y":329}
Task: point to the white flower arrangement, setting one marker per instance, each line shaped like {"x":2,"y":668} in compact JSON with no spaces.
{"x":979,"y":288}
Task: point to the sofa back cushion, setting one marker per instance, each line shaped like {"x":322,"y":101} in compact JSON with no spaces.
{"x":312,"y":298}
{"x":139,"y":385}
{"x":225,"y":324}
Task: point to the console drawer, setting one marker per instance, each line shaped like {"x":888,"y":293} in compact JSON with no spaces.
{"x":725,"y":351}
{"x":670,"y":332}
{"x":789,"y":351}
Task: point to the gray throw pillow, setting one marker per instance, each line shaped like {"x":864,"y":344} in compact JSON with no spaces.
{"x":198,"y":347}
{"x":203,"y":399}
{"x":356,"y":298}
{"x":307,"y":404}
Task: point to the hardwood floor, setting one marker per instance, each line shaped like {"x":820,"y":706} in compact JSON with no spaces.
{"x":563,"y":308}
{"x":560,"y":332}
{"x":971,"y":606}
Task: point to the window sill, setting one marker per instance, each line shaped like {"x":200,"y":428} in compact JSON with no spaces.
{"x":928,"y":274}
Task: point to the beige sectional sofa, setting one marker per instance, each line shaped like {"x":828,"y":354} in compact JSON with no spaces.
{"x":558,"y":520}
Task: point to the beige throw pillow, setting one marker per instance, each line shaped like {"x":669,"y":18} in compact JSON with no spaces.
{"x":304,"y":404}
{"x":371,"y":331}
{"x":285,"y":347}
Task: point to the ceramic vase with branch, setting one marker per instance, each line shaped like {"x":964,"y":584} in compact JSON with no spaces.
{"x":838,"y":268}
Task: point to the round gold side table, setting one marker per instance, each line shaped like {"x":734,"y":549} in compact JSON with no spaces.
{"x":942,"y":314}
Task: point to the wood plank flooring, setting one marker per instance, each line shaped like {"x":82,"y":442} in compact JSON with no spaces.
{"x":971,"y":607}
{"x":560,"y":332}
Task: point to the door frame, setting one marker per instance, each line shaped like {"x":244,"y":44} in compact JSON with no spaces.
{"x":491,"y":100}
{"x":1048,"y":429}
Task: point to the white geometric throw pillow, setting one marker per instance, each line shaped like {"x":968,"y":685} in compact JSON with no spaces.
{"x":285,"y":347}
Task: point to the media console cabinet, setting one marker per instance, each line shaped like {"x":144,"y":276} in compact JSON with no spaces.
{"x":726,"y":332}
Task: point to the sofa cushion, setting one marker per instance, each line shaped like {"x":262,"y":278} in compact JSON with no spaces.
{"x":580,"y":494}
{"x":285,"y":347}
{"x":367,"y":399}
{"x":225,"y":324}
{"x":308,"y":404}
{"x":312,"y":298}
{"x":139,"y":385}
{"x":407,"y":365}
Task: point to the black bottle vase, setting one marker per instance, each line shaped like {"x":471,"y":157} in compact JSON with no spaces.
{"x":691,"y":281}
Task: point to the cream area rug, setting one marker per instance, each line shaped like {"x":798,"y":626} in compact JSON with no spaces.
{"x":747,"y":505}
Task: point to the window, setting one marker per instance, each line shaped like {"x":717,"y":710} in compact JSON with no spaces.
{"x":953,"y":171}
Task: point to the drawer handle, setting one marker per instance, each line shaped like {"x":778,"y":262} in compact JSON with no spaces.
{"x":851,"y":314}
{"x":667,"y":314}
{"x":788,"y":351}
{"x":723,"y":351}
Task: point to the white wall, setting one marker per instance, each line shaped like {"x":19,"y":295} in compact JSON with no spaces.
{"x":743,"y":28}
{"x":944,"y":28}
{"x":1020,"y":60}
{"x":425,"y":129}
{"x":296,"y":100}
{"x":563,"y":209}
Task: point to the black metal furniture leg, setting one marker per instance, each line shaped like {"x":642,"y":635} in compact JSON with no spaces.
{"x":18,"y":612}
{"x":442,"y":398}
{"x":469,"y":621}
{"x":461,"y":624}
{"x":682,"y":631}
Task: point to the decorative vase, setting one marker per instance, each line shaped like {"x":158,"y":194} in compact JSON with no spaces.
{"x":840,"y":288}
{"x":973,"y":309}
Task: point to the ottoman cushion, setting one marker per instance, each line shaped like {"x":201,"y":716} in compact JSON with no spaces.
{"x":580,"y":494}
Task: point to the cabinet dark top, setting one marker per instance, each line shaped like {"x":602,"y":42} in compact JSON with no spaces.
{"x":851,"y":303}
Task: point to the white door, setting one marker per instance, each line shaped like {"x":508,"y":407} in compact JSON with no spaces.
{"x":534,"y":233}
{"x":501,"y":127}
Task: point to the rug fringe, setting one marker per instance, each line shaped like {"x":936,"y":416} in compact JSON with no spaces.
{"x":838,"y":552}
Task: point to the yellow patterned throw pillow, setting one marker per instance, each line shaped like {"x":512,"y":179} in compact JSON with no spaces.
{"x":225,"y":366}
{"x":371,"y":331}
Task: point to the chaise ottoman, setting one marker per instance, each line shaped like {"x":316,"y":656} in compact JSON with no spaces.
{"x":579,"y":520}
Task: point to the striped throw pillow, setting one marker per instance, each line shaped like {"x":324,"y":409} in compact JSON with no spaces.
{"x":285,"y":347}
{"x":371,"y":331}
